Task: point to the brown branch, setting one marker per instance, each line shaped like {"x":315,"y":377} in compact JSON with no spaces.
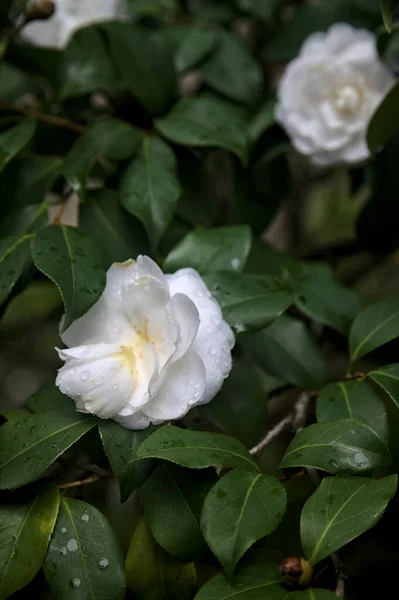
{"x":52,"y":119}
{"x":80,"y":482}
{"x":272,"y":434}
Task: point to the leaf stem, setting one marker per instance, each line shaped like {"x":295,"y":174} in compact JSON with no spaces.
{"x":52,"y":119}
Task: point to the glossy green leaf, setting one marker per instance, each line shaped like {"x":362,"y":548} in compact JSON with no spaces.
{"x":25,"y":531}
{"x":264,"y":9}
{"x":84,"y":559}
{"x":172,"y":499}
{"x":233,"y":71}
{"x":117,"y":234}
{"x":25,"y":220}
{"x":210,"y":250}
{"x":150,"y":187}
{"x":387,"y":8}
{"x":249,"y":304}
{"x":343,"y":447}
{"x":121,"y":446}
{"x":240,"y":408}
{"x":152,"y":574}
{"x":374,"y":327}
{"x":69,"y":258}
{"x":207,"y":120}
{"x":388,"y":378}
{"x":14,"y":82}
{"x":240,"y":509}
{"x":385,"y":121}
{"x":49,"y":399}
{"x":287,"y":349}
{"x":196,"y":449}
{"x":26,"y":180}
{"x":14,"y":257}
{"x":341,"y":509}
{"x":353,"y":400}
{"x":197,"y":44}
{"x":262,"y":121}
{"x":15,"y":139}
{"x":31,"y":443}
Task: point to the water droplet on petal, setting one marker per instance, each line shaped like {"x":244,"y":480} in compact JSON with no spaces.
{"x":212,"y":351}
{"x":84,"y":375}
{"x":72,"y":372}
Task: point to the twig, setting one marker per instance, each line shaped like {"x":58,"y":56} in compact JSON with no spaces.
{"x":273,"y":433}
{"x":80,"y":482}
{"x":52,"y":119}
{"x":341,"y":577}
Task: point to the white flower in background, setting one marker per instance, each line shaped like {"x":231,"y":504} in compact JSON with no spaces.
{"x":152,"y":347}
{"x":328,"y":94}
{"x":69,"y":16}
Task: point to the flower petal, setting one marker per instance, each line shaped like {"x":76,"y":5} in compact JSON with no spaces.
{"x":187,"y":316}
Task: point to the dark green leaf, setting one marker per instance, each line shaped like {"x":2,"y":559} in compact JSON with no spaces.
{"x":84,"y":560}
{"x":150,"y":187}
{"x":264,"y":9}
{"x":249,"y":304}
{"x":49,"y":399}
{"x":196,"y":449}
{"x":374,"y":327}
{"x":311,"y":594}
{"x":353,"y":400}
{"x":117,"y":234}
{"x":287,"y":349}
{"x":387,"y":8}
{"x":14,"y":83}
{"x":25,"y":531}
{"x":385,"y":121}
{"x":210,"y":250}
{"x":13,"y":140}
{"x":197,"y":44}
{"x":343,"y":447}
{"x":69,"y":258}
{"x":262,"y":121}
{"x":240,"y":509}
{"x":233,"y":71}
{"x":30,"y":444}
{"x":207,"y":121}
{"x":24,"y":220}
{"x":14,"y":257}
{"x":341,"y":509}
{"x":388,"y":378}
{"x":172,"y":499}
{"x":121,"y":446}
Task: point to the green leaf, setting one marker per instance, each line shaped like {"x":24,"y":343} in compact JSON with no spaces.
{"x":121,"y":446}
{"x":110,"y":137}
{"x":172,"y":499}
{"x":49,"y":399}
{"x":207,"y":120}
{"x":287,"y":349}
{"x":197,"y":44}
{"x":14,"y":83}
{"x":26,"y":180}
{"x":117,"y":234}
{"x":14,"y":257}
{"x":240,"y":509}
{"x":254,"y":581}
{"x":353,"y":400}
{"x":30,"y":444}
{"x":14,"y":140}
{"x":387,"y":8}
{"x":311,"y":594}
{"x":264,"y":9}
{"x":154,"y":575}
{"x":388,"y":378}
{"x":84,"y":559}
{"x":25,"y":531}
{"x":24,"y":220}
{"x":374,"y":327}
{"x":340,"y":510}
{"x":196,"y":449}
{"x":343,"y":447}
{"x":143,"y":64}
{"x":240,"y":408}
{"x":385,"y":121}
{"x":210,"y":250}
{"x":233,"y":71}
{"x":69,"y":258}
{"x":249,"y":304}
{"x":150,"y":187}
{"x":262,"y":121}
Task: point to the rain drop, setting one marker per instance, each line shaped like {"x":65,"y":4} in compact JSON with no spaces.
{"x":63,"y":529}
{"x":85,"y":517}
{"x":74,"y":583}
{"x":72,"y":545}
{"x":103,"y":564}
{"x":213,"y":351}
{"x":84,"y":375}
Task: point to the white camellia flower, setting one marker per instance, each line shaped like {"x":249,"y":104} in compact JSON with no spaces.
{"x":69,"y":16}
{"x":150,"y":349}
{"x":328,"y":94}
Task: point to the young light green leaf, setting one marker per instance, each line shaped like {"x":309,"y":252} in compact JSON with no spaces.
{"x":353,"y":400}
{"x":207,"y":120}
{"x":121,"y":446}
{"x":249,"y":304}
{"x":342,"y":447}
{"x":13,"y":140}
{"x":210,"y":250}
{"x":240,"y":509}
{"x":69,"y":258}
{"x":287,"y":349}
{"x":31,"y":443}
{"x":14,"y":257}
{"x":374,"y":327}
{"x":195,"y":47}
{"x":25,"y":531}
{"x":84,"y":559}
{"x":340,"y":510}
{"x":385,"y":122}
{"x":172,"y":499}
{"x":150,"y":187}
{"x":196,"y":449}
{"x":388,"y":378}
{"x":387,"y":9}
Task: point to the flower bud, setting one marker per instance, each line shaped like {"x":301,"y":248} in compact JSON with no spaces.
{"x":40,"y":10}
{"x":296,"y":570}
